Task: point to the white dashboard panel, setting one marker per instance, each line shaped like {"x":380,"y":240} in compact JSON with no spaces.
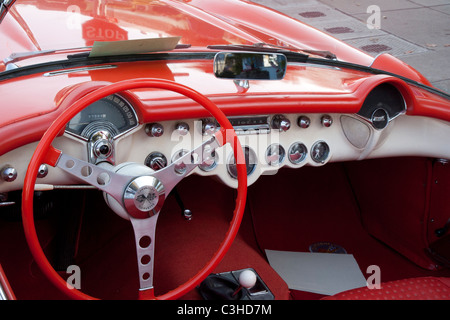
{"x":349,"y":138}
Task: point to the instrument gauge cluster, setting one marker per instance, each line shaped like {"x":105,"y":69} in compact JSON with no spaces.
{"x":274,"y":141}
{"x":113,"y":114}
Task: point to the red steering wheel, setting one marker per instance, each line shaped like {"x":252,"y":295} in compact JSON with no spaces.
{"x":126,"y":188}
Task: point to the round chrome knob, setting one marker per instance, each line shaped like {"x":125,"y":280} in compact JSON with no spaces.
{"x":154,"y":130}
{"x":156,"y":161}
{"x":303,"y":122}
{"x":43,"y":171}
{"x":9,"y":174}
{"x":281,"y":123}
{"x":209,"y":128}
{"x":182,"y":128}
{"x":102,"y":148}
{"x":327,"y":121}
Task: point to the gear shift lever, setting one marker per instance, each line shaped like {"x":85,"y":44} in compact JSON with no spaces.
{"x":247,"y":279}
{"x":229,"y":285}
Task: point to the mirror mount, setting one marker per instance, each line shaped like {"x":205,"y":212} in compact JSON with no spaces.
{"x":242,"y":85}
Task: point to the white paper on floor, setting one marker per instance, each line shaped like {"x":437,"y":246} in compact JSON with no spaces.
{"x":322,"y":273}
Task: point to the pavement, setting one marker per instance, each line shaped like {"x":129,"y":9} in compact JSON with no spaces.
{"x":415,"y":31}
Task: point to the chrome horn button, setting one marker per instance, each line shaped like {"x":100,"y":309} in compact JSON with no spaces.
{"x":144,"y":197}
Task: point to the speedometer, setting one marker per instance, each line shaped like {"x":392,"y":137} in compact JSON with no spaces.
{"x":112,"y":113}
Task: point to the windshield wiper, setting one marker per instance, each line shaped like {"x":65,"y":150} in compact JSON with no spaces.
{"x":18,"y":56}
{"x":72,"y":53}
{"x":321,"y":53}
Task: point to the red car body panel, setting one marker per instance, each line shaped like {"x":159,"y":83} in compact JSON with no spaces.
{"x":33,"y":99}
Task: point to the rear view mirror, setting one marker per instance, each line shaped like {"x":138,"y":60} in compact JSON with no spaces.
{"x":250,"y":66}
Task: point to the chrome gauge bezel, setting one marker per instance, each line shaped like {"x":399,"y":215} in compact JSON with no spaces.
{"x":303,"y":155}
{"x":322,"y":158}
{"x":251,"y":161}
{"x":95,"y":126}
{"x":280,"y":153}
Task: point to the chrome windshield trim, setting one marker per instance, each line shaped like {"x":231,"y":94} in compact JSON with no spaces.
{"x":82,"y":69}
{"x":4,"y":7}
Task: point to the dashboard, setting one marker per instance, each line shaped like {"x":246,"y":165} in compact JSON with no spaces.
{"x":270,"y":141}
{"x":110,"y":130}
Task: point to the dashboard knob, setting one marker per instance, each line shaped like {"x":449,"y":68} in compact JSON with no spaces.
{"x":182,"y":128}
{"x":101,"y":146}
{"x":156,"y":161}
{"x":209,"y":127}
{"x":281,"y":123}
{"x":154,"y":130}
{"x":9,"y":174}
{"x":43,"y":171}
{"x":326,"y":121}
{"x":303,"y":122}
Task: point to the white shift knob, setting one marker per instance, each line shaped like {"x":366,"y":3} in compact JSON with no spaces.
{"x":247,"y":279}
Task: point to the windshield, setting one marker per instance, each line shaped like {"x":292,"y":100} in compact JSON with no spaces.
{"x":33,"y":26}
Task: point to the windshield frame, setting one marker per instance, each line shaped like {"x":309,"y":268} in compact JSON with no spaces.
{"x":83,"y":60}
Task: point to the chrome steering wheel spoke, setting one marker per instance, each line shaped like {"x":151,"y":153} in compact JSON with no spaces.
{"x":144,"y":233}
{"x":137,"y":193}
{"x":180,"y":168}
{"x":96,"y":175}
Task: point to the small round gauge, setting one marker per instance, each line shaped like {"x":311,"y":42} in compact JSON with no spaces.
{"x":181,"y":167}
{"x":113,"y":113}
{"x":297,"y":153}
{"x":320,"y":152}
{"x":275,"y":154}
{"x":250,"y":161}
{"x":209,"y":161}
